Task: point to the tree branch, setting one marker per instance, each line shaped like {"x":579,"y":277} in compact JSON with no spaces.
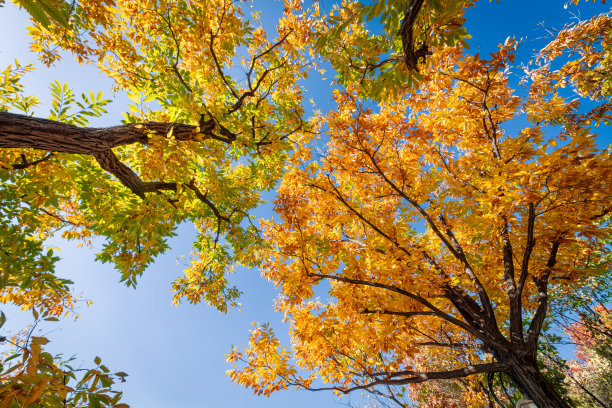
{"x":109,"y":162}
{"x":396,"y":313}
{"x":403,"y":292}
{"x":456,"y":250}
{"x":533,"y":334}
{"x":415,"y":377}
{"x":528,"y":248}
{"x":516,"y":319}
{"x":406,"y":32}
{"x":25,"y":163}
{"x":22,"y":131}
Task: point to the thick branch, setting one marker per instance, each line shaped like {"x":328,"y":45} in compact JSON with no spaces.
{"x":516,"y":320}
{"x":22,"y":131}
{"x":109,"y":162}
{"x":406,"y":32}
{"x":535,"y":327}
{"x":528,"y":248}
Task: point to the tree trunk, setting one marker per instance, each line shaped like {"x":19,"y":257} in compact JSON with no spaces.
{"x":523,"y":371}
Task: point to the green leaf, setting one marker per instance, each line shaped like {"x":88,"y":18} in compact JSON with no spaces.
{"x":56,"y":15}
{"x":34,"y":9}
{"x":106,"y":382}
{"x":94,"y":401}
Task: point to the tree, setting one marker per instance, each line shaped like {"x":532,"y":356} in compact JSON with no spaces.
{"x":425,"y":212}
{"x":197,"y":146}
{"x":233,"y":132}
{"x":216,"y":108}
{"x":590,"y":377}
{"x":202,"y":141}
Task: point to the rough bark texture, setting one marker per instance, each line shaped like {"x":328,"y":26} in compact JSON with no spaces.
{"x":523,"y":371}
{"x":21,"y":131}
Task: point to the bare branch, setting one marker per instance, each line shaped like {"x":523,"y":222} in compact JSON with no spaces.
{"x":202,"y":197}
{"x":415,"y":377}
{"x":218,"y":66}
{"x":25,"y":163}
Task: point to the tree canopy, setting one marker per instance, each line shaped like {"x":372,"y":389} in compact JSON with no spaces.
{"x":436,"y":228}
{"x":419,"y":235}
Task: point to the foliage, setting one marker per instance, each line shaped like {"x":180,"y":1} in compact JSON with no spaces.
{"x":27,"y":267}
{"x":11,"y":90}
{"x":385,"y":55}
{"x":29,"y":375}
{"x":425,"y":211}
{"x":590,"y":379}
{"x":216,"y":108}
{"x":442,"y":235}
{"x":64,"y":100}
{"x":47,"y":11}
{"x":588,"y":45}
{"x":245,"y":125}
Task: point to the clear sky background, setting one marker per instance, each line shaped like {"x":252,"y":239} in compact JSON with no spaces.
{"x":175,"y":356}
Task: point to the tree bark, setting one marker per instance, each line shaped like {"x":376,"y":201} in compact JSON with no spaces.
{"x":524,"y":373}
{"x":21,"y":131}
{"x":406,"y":33}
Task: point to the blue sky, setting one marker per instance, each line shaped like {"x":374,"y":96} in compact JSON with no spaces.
{"x":175,"y":356}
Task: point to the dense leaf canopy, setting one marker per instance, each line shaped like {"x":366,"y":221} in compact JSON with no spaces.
{"x":437,"y":232}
